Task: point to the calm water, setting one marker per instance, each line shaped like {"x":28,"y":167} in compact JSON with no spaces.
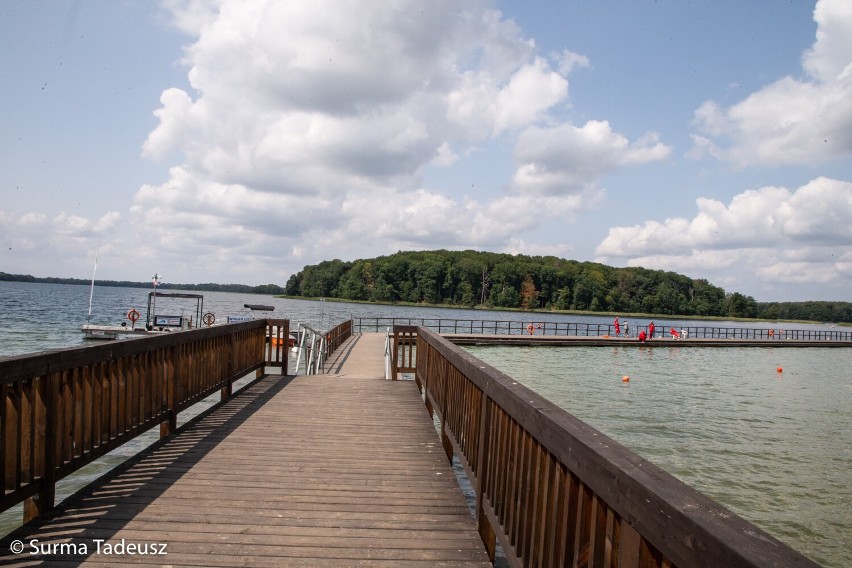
{"x":772,"y":447}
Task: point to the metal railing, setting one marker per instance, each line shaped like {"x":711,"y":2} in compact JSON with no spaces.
{"x":553,"y":491}
{"x":315,"y":346}
{"x":538,"y":327}
{"x":312,"y":350}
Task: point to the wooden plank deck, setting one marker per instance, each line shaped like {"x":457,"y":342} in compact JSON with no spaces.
{"x":324,"y":470}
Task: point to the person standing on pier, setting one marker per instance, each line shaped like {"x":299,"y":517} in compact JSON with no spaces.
{"x":651,"y":329}
{"x":626,"y":329}
{"x":617,"y":327}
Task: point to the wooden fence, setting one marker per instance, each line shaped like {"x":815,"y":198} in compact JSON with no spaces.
{"x":338,"y":334}
{"x":538,"y":327}
{"x":60,"y":410}
{"x":553,"y":491}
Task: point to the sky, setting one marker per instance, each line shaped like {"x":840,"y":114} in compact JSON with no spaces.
{"x":236,"y":141}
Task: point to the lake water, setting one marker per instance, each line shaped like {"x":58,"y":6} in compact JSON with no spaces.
{"x":773,"y":447}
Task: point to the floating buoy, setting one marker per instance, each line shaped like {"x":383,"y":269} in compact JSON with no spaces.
{"x":625,"y":379}
{"x":780,"y":370}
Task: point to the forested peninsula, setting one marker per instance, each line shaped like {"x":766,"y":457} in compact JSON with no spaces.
{"x":494,"y":280}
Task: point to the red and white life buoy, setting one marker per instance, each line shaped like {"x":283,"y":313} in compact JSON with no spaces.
{"x":133,"y":315}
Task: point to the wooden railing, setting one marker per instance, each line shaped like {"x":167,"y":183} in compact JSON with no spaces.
{"x":338,"y":334}
{"x":60,"y":410}
{"x":403,"y":343}
{"x":540,"y":327}
{"x":553,"y":491}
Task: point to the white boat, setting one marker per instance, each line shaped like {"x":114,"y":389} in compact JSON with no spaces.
{"x":157,"y":320}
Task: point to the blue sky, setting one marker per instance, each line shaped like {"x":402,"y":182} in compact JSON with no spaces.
{"x":236,"y":142}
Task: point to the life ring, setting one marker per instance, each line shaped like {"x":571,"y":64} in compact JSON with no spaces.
{"x":530,"y":329}
{"x":209,"y":318}
{"x":133,"y":315}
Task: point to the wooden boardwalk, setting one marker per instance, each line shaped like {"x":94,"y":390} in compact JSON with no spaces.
{"x":341,"y":469}
{"x":658,"y":341}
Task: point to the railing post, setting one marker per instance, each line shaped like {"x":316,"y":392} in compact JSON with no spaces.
{"x":486,"y":531}
{"x":227,"y":390}
{"x":172,"y":379}
{"x":445,"y":404}
{"x":285,"y":351}
{"x":45,"y":499}
{"x":395,"y":356}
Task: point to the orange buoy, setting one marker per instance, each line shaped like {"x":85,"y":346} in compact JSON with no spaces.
{"x":625,"y":379}
{"x":780,"y":370}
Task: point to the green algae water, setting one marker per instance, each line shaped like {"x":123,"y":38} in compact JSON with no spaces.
{"x":773,"y":446}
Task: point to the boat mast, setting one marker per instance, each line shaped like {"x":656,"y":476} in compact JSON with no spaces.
{"x":155,"y":280}
{"x":92,"y":290}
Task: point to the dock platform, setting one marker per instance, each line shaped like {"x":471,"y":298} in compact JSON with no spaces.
{"x":340,"y":469}
{"x":614,"y":341}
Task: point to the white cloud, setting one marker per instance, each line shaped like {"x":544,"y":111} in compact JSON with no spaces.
{"x":566,"y":159}
{"x":568,"y":60}
{"x":54,"y":245}
{"x":790,"y":121}
{"x":782,"y":236}
{"x":311,"y":126}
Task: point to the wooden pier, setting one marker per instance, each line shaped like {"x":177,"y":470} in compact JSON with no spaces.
{"x":339,"y":469}
{"x":342,"y":468}
{"x":604,"y":341}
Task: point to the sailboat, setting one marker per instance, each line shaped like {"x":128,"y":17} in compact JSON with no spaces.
{"x":92,"y":331}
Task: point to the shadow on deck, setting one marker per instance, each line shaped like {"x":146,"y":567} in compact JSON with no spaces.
{"x":316,"y":470}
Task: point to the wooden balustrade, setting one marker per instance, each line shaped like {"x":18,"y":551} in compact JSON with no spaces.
{"x":338,"y":334}
{"x":402,"y":350}
{"x":553,"y":491}
{"x":60,"y":410}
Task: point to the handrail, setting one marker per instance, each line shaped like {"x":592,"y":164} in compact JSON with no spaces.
{"x":315,"y":346}
{"x":312,"y":350}
{"x":403,"y":346}
{"x":541,"y":327}
{"x":388,"y":354}
{"x":552,"y":490}
{"x":60,"y":410}
{"x":338,"y":334}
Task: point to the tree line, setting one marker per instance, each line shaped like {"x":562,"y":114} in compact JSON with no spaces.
{"x":268,"y":289}
{"x":473,"y":278}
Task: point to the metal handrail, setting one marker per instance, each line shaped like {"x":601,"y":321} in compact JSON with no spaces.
{"x":313,"y":349}
{"x":591,"y":329}
{"x":388,"y":356}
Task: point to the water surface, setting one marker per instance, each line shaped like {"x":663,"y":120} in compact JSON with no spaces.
{"x":772,"y":446}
